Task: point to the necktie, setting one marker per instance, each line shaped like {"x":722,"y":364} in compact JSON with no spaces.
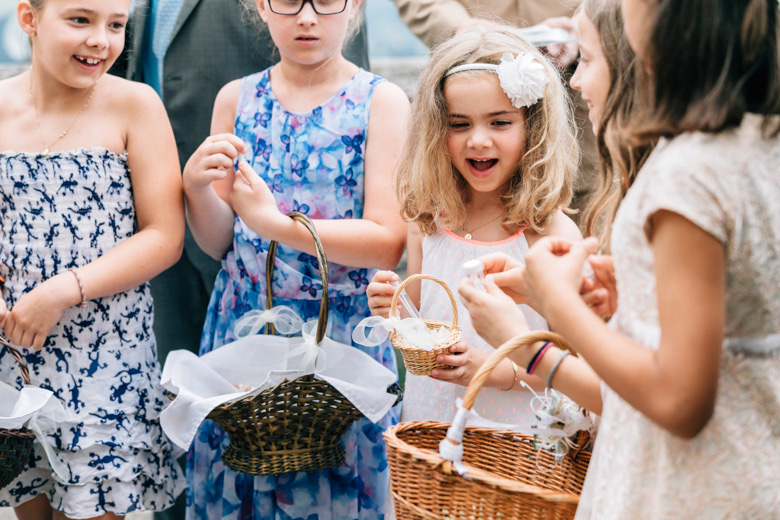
{"x":166,"y":15}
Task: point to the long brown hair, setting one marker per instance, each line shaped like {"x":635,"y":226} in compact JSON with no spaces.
{"x":431,"y":192}
{"x":619,"y":159}
{"x":711,"y":62}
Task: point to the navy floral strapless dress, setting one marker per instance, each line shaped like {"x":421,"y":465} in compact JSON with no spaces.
{"x":313,"y":162}
{"x":62,"y":211}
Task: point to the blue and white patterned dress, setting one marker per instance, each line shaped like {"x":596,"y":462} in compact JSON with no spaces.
{"x":63,"y":211}
{"x":313,"y":162}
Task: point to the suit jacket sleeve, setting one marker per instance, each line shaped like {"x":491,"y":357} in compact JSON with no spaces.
{"x":433,"y":21}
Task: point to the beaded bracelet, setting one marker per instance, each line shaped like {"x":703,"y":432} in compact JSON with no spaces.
{"x":555,"y":367}
{"x":538,"y":357}
{"x":514,"y":377}
{"x":81,"y":288}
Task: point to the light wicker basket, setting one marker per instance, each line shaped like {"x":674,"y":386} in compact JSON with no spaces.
{"x":507,"y":476}
{"x":15,"y":445}
{"x":298,"y":424}
{"x":419,"y":361}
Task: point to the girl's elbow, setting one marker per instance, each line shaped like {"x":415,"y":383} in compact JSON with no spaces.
{"x":391,"y":256}
{"x":686,"y":418}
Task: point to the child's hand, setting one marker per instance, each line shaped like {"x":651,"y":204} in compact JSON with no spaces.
{"x":30,"y":321}
{"x":253,"y":201}
{"x":601,"y":292}
{"x":380,"y":292}
{"x":212,"y":161}
{"x":465,"y":360}
{"x":553,"y":270}
{"x":494,"y":315}
{"x":507,"y":273}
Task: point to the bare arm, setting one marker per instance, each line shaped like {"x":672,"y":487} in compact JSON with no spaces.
{"x":154,"y":166}
{"x":674,"y":386}
{"x":208,"y":177}
{"x":374,"y":241}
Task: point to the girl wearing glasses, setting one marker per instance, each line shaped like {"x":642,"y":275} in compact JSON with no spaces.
{"x":317,"y":135}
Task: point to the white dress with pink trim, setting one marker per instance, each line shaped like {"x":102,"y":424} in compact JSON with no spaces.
{"x":428,"y":399}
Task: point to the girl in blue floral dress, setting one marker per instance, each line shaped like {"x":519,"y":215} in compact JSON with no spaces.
{"x":90,"y":210}
{"x":320,"y":136}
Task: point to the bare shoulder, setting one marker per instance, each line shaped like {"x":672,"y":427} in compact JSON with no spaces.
{"x":560,"y":226}
{"x":389,"y":98}
{"x":227,"y":98}
{"x":13,"y":91}
{"x":130,"y":98}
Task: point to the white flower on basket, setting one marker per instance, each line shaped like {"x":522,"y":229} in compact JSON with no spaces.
{"x":522,"y":78}
{"x":414,"y":331}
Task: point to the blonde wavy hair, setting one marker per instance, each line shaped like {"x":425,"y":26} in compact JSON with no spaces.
{"x":432,"y":193}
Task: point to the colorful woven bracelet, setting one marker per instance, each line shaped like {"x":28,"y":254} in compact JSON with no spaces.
{"x":81,"y":288}
{"x":538,"y":357}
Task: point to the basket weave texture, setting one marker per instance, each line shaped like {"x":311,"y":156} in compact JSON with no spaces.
{"x":419,"y":361}
{"x":296,"y":425}
{"x":508,"y":477}
{"x":15,"y":445}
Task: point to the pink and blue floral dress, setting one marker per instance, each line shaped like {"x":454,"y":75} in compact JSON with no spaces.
{"x":313,"y":162}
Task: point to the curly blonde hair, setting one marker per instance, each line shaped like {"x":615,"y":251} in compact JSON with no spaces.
{"x":432,"y":193}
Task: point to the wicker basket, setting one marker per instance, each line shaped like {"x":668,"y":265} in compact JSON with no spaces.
{"x":507,"y":476}
{"x":298,"y":424}
{"x":418,"y":361}
{"x":15,"y":445}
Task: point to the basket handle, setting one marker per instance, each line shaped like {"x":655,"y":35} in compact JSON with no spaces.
{"x":503,"y":351}
{"x":414,"y":277}
{"x":18,"y":357}
{"x":322,"y":322}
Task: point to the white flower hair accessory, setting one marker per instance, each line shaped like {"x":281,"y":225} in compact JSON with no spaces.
{"x":522,"y":78}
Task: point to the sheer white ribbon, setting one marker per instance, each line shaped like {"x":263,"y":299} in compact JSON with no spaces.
{"x":558,"y":418}
{"x":414,"y":331}
{"x":283,"y":318}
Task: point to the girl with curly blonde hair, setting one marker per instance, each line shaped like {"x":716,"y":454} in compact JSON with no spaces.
{"x":488,"y":167}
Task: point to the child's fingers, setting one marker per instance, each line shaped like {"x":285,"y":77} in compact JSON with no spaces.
{"x":380,"y":289}
{"x":215,"y":161}
{"x":595,"y":298}
{"x":385,"y":277}
{"x":498,"y":263}
{"x":222,"y":148}
{"x":448,"y":375}
{"x":38,"y":341}
{"x":234,"y":140}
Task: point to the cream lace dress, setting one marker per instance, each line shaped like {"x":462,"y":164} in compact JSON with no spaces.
{"x":728,"y":184}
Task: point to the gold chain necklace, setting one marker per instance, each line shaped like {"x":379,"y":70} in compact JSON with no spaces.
{"x":64,"y":132}
{"x":468,"y":233}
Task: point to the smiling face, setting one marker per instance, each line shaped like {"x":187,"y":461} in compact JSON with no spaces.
{"x":592,"y":75}
{"x":486,"y":138}
{"x":75,"y":41}
{"x":308,"y":38}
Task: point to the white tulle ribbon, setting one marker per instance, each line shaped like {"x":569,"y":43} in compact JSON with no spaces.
{"x":413,"y":330}
{"x":315,"y":359}
{"x":283,"y":318}
{"x":380,"y":330}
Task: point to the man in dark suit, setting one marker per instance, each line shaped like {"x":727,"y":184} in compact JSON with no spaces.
{"x":187,"y":50}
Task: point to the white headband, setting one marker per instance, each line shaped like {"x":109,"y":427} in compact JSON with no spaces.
{"x":522,"y":78}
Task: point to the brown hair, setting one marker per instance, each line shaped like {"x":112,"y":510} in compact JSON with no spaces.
{"x":431,"y":192}
{"x":619,"y":159}
{"x":712,"y":61}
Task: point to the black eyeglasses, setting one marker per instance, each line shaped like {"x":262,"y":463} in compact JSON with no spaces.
{"x":322,"y":7}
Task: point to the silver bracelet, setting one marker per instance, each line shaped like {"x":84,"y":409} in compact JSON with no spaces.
{"x":555,"y":367}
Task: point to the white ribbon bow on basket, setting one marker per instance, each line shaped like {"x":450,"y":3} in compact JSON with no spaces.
{"x":414,"y":330}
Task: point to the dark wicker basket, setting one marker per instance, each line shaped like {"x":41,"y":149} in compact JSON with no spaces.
{"x":298,"y":424}
{"x":15,"y":445}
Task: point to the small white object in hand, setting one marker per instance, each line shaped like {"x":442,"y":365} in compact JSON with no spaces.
{"x":475,"y":271}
